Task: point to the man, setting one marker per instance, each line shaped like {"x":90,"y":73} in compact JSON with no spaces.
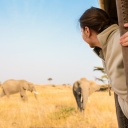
{"x":102,"y":34}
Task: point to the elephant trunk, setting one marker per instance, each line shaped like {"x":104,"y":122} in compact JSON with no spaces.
{"x":85,"y":95}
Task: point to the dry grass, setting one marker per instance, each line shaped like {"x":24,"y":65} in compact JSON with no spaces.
{"x":56,"y":108}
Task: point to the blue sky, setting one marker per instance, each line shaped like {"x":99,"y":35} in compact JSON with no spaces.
{"x":41,"y":39}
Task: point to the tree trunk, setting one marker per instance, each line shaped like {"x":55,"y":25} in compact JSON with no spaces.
{"x":122,"y":12}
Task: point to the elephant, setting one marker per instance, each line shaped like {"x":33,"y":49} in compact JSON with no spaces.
{"x":12,"y":86}
{"x":82,"y":89}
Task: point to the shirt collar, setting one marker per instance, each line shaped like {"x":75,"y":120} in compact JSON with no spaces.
{"x":104,"y":35}
{"x":98,"y":52}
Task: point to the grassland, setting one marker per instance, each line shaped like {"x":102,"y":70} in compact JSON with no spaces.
{"x":56,"y":108}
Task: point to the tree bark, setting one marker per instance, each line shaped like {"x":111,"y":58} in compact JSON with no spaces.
{"x":122,"y":13}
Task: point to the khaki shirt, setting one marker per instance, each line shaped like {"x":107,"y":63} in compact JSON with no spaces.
{"x":112,"y":55}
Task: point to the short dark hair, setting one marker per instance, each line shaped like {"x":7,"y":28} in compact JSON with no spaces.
{"x":96,"y":19}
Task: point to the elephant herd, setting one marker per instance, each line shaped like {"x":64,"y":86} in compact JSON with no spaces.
{"x":82,"y":89}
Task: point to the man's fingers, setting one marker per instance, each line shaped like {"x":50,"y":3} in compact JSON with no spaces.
{"x":125,"y":44}
{"x":124,"y":36}
{"x":126,"y":25}
{"x":124,"y":41}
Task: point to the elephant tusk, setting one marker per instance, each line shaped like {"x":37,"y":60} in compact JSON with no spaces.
{"x":36,"y":92}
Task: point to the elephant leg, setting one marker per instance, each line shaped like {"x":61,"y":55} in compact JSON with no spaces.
{"x":24,"y":98}
{"x":23,"y":95}
{"x":3,"y":93}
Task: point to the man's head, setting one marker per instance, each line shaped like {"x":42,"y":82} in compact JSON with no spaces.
{"x":92,"y":22}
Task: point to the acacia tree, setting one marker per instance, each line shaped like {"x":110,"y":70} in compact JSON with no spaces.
{"x":49,"y":79}
{"x":104,"y":77}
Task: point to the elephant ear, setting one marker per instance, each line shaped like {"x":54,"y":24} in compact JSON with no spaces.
{"x":76,"y":87}
{"x":24,"y":84}
{"x":31,"y":86}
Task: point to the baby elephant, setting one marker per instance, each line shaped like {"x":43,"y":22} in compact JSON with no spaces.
{"x":17,"y":86}
{"x":81,"y":90}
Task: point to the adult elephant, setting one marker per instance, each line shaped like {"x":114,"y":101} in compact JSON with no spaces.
{"x":81,"y":90}
{"x":11,"y":86}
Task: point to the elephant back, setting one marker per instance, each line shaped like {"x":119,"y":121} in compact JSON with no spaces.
{"x":11,"y":86}
{"x":89,"y":85}
{"x":94,"y":87}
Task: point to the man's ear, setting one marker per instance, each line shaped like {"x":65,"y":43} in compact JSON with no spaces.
{"x":87,"y":31}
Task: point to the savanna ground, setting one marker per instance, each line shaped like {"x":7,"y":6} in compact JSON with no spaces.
{"x":56,"y":108}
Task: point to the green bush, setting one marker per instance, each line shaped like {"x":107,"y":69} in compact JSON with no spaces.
{"x":63,"y":112}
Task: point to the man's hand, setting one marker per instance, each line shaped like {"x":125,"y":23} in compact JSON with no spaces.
{"x":124,"y":37}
